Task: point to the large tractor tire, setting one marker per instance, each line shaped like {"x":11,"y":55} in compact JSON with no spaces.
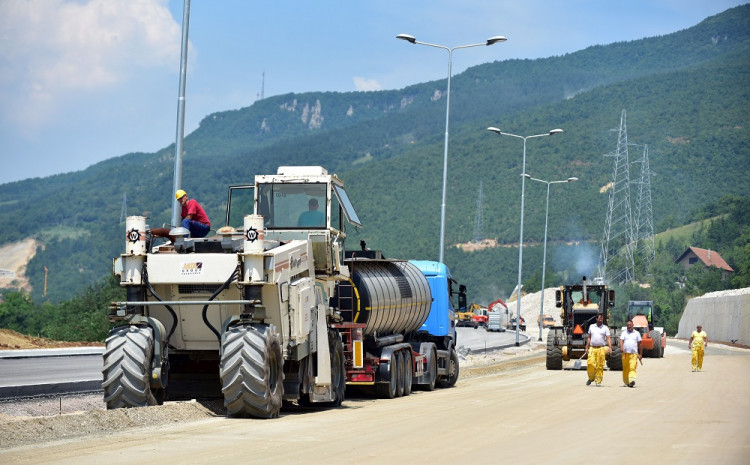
{"x":452,"y":377}
{"x":656,"y":351}
{"x":251,"y":371}
{"x":338,"y":368}
{"x":614,"y":362}
{"x":127,"y":366}
{"x":554,"y":354}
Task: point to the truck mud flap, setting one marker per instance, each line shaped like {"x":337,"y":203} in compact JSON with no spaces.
{"x":442,"y":362}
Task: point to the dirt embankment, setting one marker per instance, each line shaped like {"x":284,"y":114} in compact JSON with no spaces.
{"x":11,"y":340}
{"x":13,"y":260}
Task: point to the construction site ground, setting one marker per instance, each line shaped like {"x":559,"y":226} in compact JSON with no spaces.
{"x":506,"y":401}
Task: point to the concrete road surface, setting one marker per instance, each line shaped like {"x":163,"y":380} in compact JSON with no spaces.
{"x":526,"y":415}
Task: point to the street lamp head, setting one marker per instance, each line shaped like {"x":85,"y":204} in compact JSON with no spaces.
{"x":407,"y":38}
{"x":555,"y":131}
{"x":527,"y":176}
{"x":496,"y":39}
{"x":572,"y":179}
{"x":495,"y":130}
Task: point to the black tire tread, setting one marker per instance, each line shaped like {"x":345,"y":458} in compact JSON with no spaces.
{"x":554,"y":354}
{"x":251,"y":385}
{"x":127,"y":364}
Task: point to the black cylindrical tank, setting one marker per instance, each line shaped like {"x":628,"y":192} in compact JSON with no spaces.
{"x":394,"y":296}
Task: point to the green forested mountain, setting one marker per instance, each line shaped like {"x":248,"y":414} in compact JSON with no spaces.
{"x":686,"y":97}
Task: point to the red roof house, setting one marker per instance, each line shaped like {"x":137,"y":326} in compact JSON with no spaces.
{"x":693,"y":255}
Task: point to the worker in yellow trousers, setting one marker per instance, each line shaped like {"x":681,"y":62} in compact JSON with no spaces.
{"x":598,"y":345}
{"x":698,"y":343}
{"x":632,"y":352}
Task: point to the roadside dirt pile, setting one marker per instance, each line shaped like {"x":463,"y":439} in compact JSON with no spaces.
{"x":11,"y":340}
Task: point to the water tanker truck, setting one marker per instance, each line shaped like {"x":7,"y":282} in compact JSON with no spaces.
{"x":272,"y":309}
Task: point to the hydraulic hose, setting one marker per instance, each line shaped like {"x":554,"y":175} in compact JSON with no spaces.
{"x":157,"y":297}
{"x":204,"y":313}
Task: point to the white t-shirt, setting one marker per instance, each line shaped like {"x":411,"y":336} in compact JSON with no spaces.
{"x":630,"y":341}
{"x":598,"y":335}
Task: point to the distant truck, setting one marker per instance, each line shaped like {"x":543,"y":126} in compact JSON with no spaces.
{"x":547,"y":321}
{"x":653,"y":338}
{"x":512,"y":324}
{"x":475,"y":317}
{"x":497,"y":316}
{"x":498,"y":321}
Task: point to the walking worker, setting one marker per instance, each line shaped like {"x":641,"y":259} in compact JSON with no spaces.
{"x":193,"y":216}
{"x":698,"y":343}
{"x":632,"y":352}
{"x":598,"y":346}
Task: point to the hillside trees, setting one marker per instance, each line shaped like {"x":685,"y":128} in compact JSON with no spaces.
{"x":83,"y":318}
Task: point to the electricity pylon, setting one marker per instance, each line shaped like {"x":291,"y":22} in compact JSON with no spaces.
{"x":478,"y":227}
{"x":644,"y":224}
{"x":616,"y":260}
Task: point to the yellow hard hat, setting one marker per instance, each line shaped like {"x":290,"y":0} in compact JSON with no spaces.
{"x":178,"y":195}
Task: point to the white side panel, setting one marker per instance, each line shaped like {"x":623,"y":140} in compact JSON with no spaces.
{"x":324,"y":354}
{"x":190,"y":268}
{"x":302,"y":301}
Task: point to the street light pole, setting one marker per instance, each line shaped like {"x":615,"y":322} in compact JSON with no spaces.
{"x":411,"y":39}
{"x":520,"y":240}
{"x":544,"y":254}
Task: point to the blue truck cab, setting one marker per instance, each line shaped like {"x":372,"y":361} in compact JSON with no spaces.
{"x":441,"y":321}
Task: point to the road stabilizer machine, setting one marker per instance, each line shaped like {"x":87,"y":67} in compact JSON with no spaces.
{"x":272,"y":310}
{"x":579,"y":304}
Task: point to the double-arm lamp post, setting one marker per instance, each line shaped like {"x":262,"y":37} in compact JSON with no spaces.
{"x":544,"y":254}
{"x":411,"y":39}
{"x":520,"y":240}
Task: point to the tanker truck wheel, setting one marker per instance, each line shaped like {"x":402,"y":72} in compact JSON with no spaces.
{"x":452,"y":377}
{"x":399,"y":373}
{"x":127,"y":364}
{"x":251,"y":371}
{"x":388,"y":390}
{"x":408,"y":372}
{"x":554,"y":354}
{"x":431,"y":353}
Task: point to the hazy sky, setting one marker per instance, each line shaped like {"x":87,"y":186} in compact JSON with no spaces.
{"x":86,"y":80}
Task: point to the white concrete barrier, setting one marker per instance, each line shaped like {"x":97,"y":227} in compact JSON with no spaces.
{"x":725,"y":316}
